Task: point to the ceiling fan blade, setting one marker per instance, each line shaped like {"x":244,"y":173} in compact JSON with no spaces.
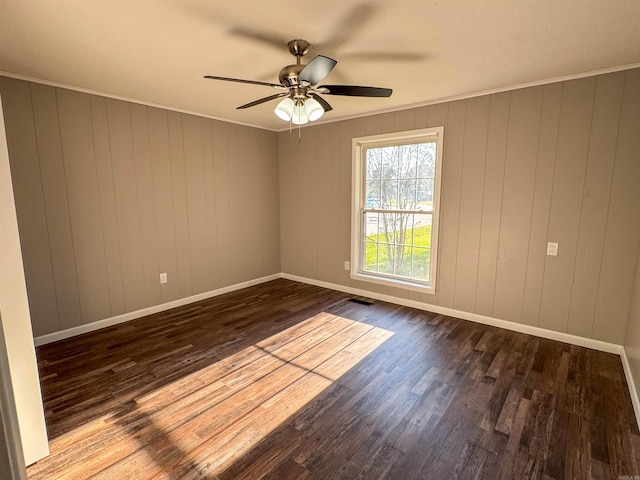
{"x":355,"y":91}
{"x":262,"y":100}
{"x":240,"y":80}
{"x":263,"y":37}
{"x":351,"y":24}
{"x":323,"y":103}
{"x":386,"y":56}
{"x":317,"y":69}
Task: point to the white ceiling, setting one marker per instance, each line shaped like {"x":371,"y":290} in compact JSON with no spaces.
{"x":156,"y":51}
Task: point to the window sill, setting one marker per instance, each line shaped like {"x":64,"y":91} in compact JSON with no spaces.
{"x":394,"y":282}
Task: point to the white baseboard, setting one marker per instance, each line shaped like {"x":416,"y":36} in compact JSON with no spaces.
{"x":125,"y":317}
{"x":517,"y":327}
{"x":635,"y":400}
{"x":473,"y":317}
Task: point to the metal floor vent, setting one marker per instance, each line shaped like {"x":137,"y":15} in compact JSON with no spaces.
{"x":361,"y":302}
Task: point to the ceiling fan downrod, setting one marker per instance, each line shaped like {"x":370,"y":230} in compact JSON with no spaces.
{"x":289,"y":75}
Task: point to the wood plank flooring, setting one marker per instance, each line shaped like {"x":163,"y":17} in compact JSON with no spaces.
{"x":291,"y":381}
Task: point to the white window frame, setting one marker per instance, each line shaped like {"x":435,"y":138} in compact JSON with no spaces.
{"x":358,"y":202}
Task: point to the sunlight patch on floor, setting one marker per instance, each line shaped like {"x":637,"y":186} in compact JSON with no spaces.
{"x":201,"y":423}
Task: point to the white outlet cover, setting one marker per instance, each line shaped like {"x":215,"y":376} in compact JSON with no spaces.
{"x":552,"y":249}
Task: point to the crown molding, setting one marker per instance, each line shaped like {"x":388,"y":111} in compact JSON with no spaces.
{"x":464,"y":96}
{"x":481,"y":93}
{"x":124,"y":99}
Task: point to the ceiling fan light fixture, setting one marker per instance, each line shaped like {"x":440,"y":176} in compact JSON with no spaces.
{"x":300,"y":116}
{"x":285,"y":109}
{"x":313,"y":109}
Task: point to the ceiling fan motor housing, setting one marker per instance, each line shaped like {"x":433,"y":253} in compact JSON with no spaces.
{"x":289,"y":75}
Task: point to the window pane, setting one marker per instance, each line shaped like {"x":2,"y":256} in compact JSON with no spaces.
{"x":407,"y":194}
{"x":404,"y":228}
{"x":427,"y":160}
{"x":407,"y":157}
{"x":372,"y":198}
{"x":371,"y":257}
{"x":404,"y":255}
{"x":374,"y":164}
{"x":425,"y":193}
{"x":421,"y":263}
{"x":392,"y":227}
{"x":422,"y":230}
{"x":389,"y":196}
{"x":389,"y":162}
{"x":371,"y":227}
{"x":386,"y":256}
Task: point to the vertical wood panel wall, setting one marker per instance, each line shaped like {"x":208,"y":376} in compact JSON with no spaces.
{"x":109,"y":194}
{"x":559,"y":162}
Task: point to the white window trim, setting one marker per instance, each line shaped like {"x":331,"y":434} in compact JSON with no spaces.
{"x":358,"y":201}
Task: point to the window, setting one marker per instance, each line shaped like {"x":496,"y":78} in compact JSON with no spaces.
{"x":396,"y":189}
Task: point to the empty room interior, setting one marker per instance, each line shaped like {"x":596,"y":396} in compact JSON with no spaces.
{"x":319,"y":240}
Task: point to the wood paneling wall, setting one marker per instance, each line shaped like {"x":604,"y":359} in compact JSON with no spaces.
{"x":109,"y":194}
{"x":559,"y":162}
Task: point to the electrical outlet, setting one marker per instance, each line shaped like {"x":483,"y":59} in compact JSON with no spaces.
{"x":552,"y":249}
{"x":347,"y":264}
{"x":163,"y":278}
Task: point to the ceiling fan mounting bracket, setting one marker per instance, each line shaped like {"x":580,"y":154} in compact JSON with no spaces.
{"x":298,"y":48}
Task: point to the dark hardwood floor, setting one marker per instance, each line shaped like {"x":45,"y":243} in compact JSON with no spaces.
{"x":291,"y":381}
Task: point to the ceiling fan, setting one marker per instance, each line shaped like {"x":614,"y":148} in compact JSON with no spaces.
{"x":299,"y":84}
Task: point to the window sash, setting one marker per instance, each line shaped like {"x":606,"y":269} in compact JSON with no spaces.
{"x":412,"y":246}
{"x":381,"y":210}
